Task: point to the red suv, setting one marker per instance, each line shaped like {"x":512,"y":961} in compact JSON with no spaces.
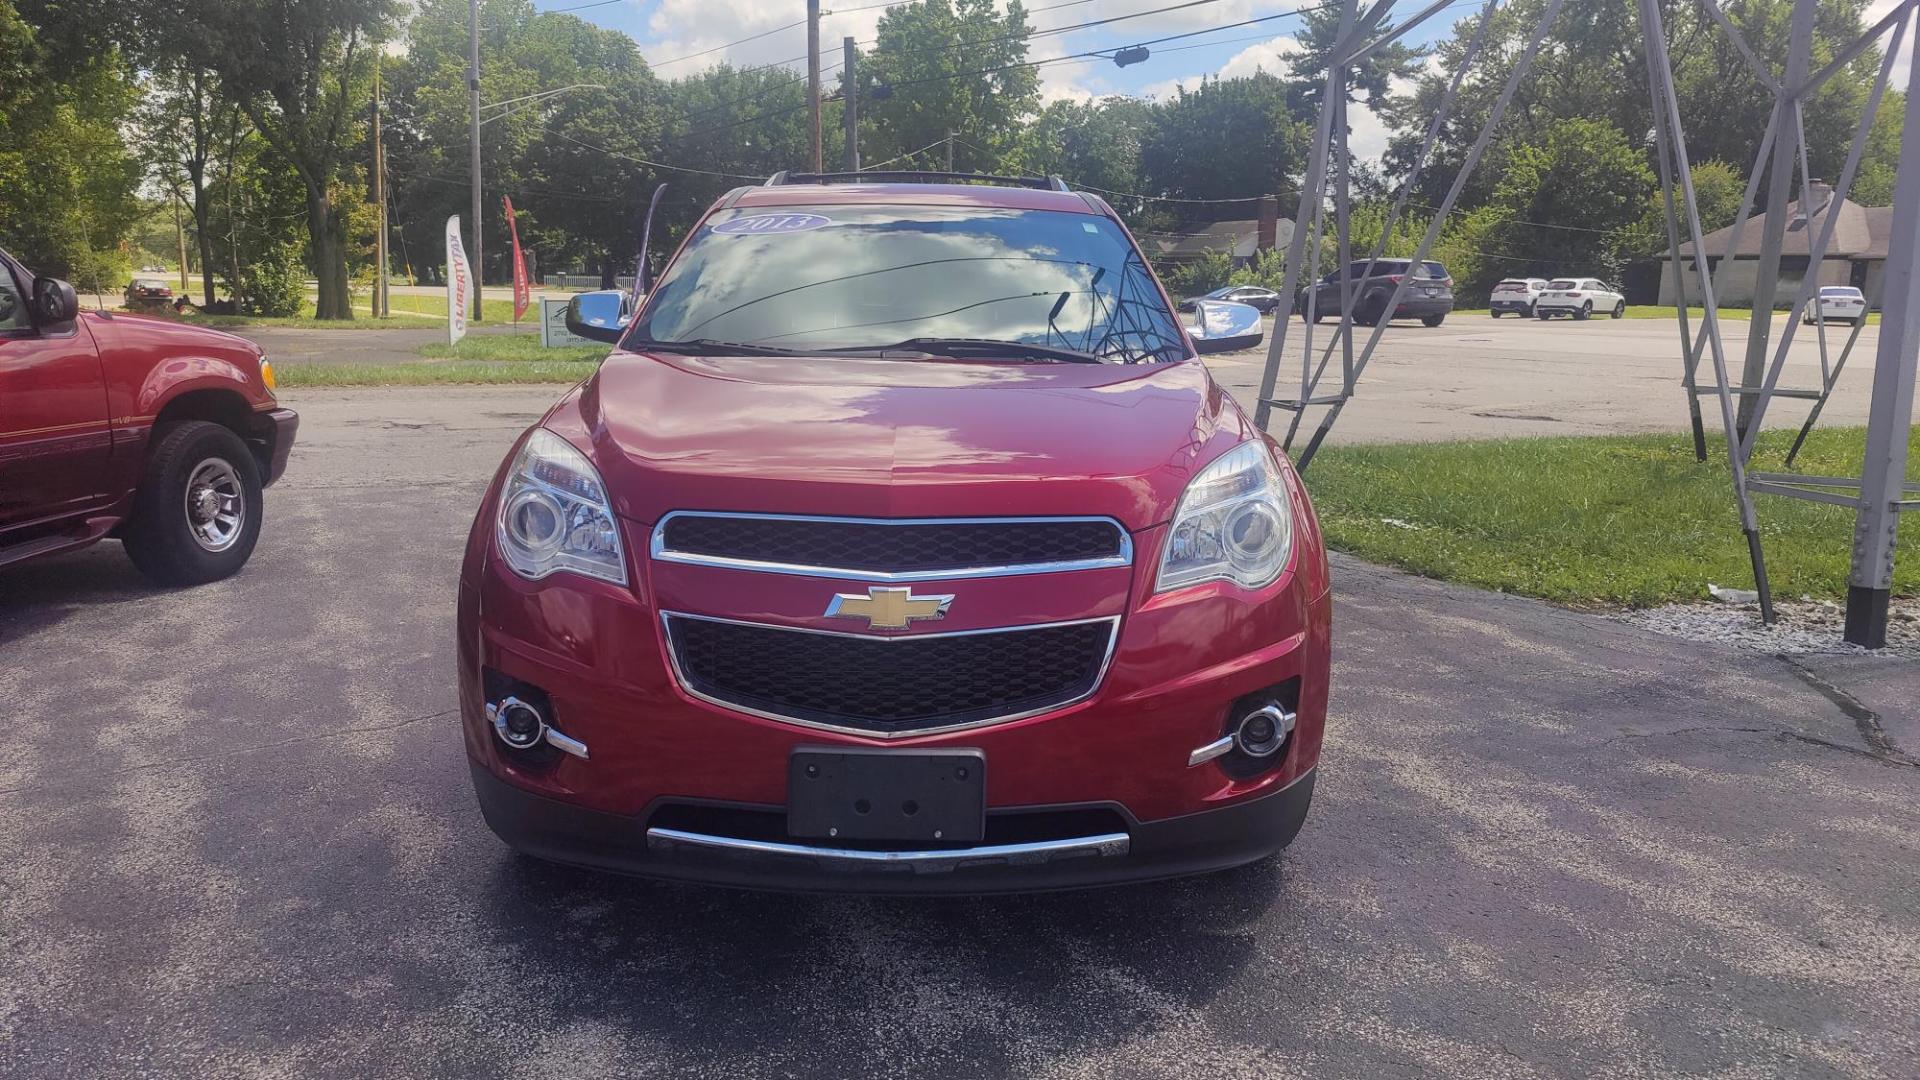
{"x":903,"y":544}
{"x":123,"y":425}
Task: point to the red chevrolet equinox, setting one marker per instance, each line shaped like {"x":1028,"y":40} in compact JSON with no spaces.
{"x":901,"y":545}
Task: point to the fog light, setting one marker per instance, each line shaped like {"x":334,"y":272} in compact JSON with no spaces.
{"x":1262,"y":731}
{"x":518,"y":724}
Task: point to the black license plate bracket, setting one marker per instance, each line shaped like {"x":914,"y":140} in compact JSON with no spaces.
{"x":933,"y":796}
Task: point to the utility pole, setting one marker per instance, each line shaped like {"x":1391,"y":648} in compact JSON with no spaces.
{"x":380,"y":200}
{"x":949,"y":149}
{"x":1766,"y":279}
{"x":180,"y":237}
{"x":850,"y":104}
{"x":813,"y":80}
{"x":473,"y":91}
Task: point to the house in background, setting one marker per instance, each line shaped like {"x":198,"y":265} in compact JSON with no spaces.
{"x":1239,"y":239}
{"x":1857,"y":254}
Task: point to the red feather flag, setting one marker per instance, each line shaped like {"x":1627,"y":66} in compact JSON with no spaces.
{"x":522,"y":291}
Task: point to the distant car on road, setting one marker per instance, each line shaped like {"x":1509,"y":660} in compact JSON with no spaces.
{"x":160,"y":434}
{"x":1580,"y":298}
{"x":1252,"y":295}
{"x":1428,"y":297}
{"x":148,"y":294}
{"x":1516,"y":295}
{"x":1840,"y":303}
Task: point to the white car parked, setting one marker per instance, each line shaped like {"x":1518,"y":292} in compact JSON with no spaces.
{"x":1840,"y":303}
{"x":1580,"y":298}
{"x":1516,"y":295}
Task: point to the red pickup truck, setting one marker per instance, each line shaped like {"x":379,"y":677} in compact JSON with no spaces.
{"x":145,"y":429}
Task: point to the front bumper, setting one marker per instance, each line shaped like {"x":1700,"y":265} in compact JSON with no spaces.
{"x":1139,"y":851}
{"x":273,"y":433}
{"x":1117,"y":762}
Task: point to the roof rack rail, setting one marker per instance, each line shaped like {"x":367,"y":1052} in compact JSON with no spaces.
{"x":1042,"y":183}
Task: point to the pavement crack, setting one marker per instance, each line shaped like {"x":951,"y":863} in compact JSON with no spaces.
{"x":202,"y":759}
{"x":1879,"y":744}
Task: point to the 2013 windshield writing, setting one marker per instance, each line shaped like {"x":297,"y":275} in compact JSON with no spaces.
{"x":859,"y":278}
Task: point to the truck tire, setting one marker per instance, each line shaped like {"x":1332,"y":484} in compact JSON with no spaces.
{"x":196,"y":515}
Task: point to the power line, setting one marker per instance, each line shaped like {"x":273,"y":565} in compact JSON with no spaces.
{"x":731,"y":44}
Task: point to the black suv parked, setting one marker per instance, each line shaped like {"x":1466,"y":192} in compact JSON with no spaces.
{"x":1428,"y":297}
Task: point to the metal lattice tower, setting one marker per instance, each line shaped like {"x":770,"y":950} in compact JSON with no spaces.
{"x":1880,"y":494}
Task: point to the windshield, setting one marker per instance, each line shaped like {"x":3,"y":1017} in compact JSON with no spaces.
{"x":817,"y":279}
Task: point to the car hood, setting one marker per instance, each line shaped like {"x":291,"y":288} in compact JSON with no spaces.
{"x":889,"y":438}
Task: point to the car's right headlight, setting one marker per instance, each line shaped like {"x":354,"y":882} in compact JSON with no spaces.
{"x":554,"y":514}
{"x":1234,"y":523}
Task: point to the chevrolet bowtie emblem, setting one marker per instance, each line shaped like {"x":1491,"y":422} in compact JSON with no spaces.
{"x":888,"y":609}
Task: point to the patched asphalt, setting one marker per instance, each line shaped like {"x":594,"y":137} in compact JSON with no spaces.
{"x":239,"y":841}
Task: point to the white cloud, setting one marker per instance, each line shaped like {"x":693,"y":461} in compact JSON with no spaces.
{"x":1903,"y":65}
{"x":1269,"y":56}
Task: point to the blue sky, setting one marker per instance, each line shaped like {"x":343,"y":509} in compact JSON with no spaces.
{"x":673,"y":30}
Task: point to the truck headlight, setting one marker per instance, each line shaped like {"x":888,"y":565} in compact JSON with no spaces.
{"x":554,"y":514}
{"x":1234,"y":523}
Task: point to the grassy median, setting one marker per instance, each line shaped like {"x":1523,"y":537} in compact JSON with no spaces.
{"x":514,"y":347}
{"x":1629,"y":520}
{"x":470,"y":372}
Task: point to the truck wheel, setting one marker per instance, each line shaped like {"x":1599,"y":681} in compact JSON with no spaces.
{"x":196,"y":515}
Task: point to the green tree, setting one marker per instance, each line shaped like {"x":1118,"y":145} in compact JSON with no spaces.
{"x":301,"y":70}
{"x":67,"y":176}
{"x":569,"y":161}
{"x":1567,"y":202}
{"x":1090,"y":143}
{"x":1371,"y":84}
{"x":951,"y":66}
{"x":1226,"y":139}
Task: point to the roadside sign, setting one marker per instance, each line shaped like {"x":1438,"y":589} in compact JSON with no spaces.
{"x":459,"y":291}
{"x":553,"y":325}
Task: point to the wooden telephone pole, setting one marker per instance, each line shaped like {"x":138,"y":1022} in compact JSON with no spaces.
{"x":850,"y":104}
{"x":380,"y":201}
{"x":813,"y":80}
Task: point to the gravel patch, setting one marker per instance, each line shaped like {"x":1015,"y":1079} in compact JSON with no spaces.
{"x":1803,"y":626}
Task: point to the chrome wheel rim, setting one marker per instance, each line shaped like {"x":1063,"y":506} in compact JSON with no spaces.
{"x":216,"y":505}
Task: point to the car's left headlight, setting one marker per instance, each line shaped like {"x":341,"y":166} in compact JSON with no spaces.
{"x":554,"y":514}
{"x":1234,"y":523}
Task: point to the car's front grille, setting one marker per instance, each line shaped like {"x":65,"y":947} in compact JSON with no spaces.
{"x":892,"y":549}
{"x":889,"y":685}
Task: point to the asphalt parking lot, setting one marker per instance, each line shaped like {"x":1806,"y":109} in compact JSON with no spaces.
{"x":240,"y":842}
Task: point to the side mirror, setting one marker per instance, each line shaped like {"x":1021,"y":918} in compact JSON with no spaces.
{"x":1224,"y":326}
{"x":598,"y":316}
{"x":54,"y":302}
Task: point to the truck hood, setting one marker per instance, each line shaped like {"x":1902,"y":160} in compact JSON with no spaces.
{"x":862,"y":437}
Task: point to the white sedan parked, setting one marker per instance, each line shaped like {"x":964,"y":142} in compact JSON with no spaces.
{"x":1580,"y":298}
{"x":1840,"y":303}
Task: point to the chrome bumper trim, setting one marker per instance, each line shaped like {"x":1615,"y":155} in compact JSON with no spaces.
{"x":1219,"y":747}
{"x":1123,"y":556}
{"x":1105,"y":845}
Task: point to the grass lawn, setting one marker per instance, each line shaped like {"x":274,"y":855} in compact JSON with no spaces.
{"x":515,"y":347}
{"x":1617,"y":520}
{"x":474,"y":372}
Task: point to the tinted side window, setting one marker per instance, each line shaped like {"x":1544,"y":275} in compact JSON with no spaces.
{"x":13,"y":302}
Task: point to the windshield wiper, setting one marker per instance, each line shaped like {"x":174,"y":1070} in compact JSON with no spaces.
{"x":709,"y":347}
{"x":989,"y":348}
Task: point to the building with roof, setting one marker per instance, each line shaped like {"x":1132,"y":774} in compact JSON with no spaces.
{"x":1238,"y":239}
{"x":1857,"y":254}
